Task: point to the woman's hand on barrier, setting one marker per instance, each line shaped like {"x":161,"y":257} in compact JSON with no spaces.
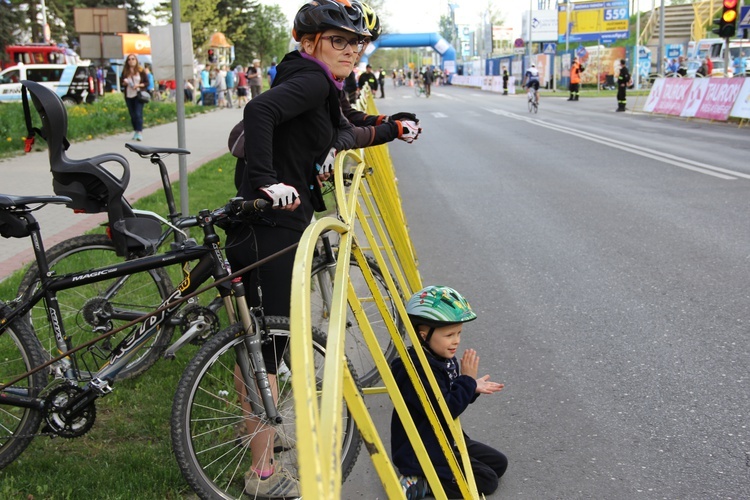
{"x":282,"y":196}
{"x":325,"y":170}
{"x":408,"y":131}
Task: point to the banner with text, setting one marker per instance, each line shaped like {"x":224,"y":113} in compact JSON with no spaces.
{"x":708,"y":98}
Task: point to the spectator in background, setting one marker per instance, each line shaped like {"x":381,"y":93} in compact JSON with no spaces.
{"x":255,"y":79}
{"x":151,"y":85}
{"x":230,"y":84}
{"x":219,"y":82}
{"x":505,"y":80}
{"x":241,"y":87}
{"x":739,"y":64}
{"x":682,"y":66}
{"x":709,"y":66}
{"x":271,"y":74}
{"x":189,"y":87}
{"x":623,"y":80}
{"x":134,"y":79}
{"x":673,"y":67}
{"x":575,"y":79}
{"x":368,"y":78}
{"x":381,"y":82}
{"x":350,"y":87}
{"x":428,"y":77}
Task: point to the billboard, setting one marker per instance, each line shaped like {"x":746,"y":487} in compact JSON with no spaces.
{"x":543,"y":26}
{"x":592,"y":21}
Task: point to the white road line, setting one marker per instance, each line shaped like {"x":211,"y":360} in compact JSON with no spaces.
{"x":695,"y":166}
{"x":439,"y":115}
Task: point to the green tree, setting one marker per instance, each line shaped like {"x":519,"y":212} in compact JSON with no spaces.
{"x":267,"y":36}
{"x":203,"y":17}
{"x":11,"y":19}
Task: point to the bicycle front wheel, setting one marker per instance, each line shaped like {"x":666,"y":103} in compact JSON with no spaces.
{"x":210,"y":430}
{"x":92,"y":309}
{"x":356,"y":348}
{"x":19,"y":352}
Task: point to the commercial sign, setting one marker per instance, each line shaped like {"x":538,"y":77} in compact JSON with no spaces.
{"x":543,"y":26}
{"x":708,"y":98}
{"x":592,"y":21}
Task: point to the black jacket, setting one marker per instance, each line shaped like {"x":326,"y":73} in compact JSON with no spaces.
{"x":458,"y":391}
{"x":369,"y":130}
{"x":370,"y":79}
{"x":288,"y":130}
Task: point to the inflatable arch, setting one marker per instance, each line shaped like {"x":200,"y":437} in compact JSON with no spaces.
{"x":395,"y":40}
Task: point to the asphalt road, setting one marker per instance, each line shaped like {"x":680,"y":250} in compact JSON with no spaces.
{"x":607,"y":257}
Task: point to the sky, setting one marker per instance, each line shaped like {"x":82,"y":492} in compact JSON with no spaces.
{"x":423,"y":16}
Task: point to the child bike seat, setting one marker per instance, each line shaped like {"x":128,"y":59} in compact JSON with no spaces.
{"x":91,"y":186}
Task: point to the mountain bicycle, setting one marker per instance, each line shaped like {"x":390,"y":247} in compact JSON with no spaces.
{"x":532,"y":97}
{"x":223,"y":385}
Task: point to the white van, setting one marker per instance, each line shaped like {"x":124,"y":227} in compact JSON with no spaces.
{"x":74,"y":83}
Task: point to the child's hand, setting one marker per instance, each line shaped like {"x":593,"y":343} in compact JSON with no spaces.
{"x":470,"y":363}
{"x":484,"y":386}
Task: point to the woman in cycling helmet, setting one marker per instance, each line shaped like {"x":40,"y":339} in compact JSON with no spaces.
{"x":291,"y":132}
{"x":438,"y":314}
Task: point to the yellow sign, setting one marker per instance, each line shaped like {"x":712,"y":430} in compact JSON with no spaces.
{"x":590,"y":21}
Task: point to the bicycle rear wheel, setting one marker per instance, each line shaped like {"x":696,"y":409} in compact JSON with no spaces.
{"x":356,"y":348}
{"x":19,"y":352}
{"x":210,"y":438}
{"x":92,"y":309}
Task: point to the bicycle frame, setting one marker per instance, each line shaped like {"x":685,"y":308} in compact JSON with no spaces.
{"x":210,"y":263}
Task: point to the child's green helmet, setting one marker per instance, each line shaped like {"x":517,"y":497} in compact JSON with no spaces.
{"x":437,"y":306}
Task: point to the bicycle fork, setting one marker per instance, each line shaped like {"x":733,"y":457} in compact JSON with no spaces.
{"x":250,"y":363}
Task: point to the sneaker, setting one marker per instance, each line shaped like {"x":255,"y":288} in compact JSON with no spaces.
{"x":414,"y":487}
{"x":135,"y":136}
{"x":280,"y":484}
{"x":138,"y":136}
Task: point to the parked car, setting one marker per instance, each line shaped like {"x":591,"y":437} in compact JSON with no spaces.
{"x":74,"y":83}
{"x":695,"y":64}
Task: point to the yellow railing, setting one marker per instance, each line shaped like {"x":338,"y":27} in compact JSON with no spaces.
{"x":704,"y":11}
{"x":370,"y":218}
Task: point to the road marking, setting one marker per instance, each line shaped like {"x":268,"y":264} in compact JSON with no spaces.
{"x":439,"y":115}
{"x":695,"y":166}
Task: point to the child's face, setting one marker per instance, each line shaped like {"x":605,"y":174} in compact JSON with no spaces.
{"x":444,"y":341}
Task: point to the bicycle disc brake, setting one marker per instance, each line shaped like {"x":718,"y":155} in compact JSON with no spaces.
{"x":59,"y":421}
{"x":204,"y":319}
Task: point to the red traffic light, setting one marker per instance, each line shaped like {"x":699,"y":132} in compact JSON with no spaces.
{"x":730,"y":4}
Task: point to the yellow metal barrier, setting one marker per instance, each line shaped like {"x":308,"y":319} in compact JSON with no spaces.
{"x":370,"y":211}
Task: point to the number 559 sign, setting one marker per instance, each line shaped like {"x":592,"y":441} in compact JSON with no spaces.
{"x":587,"y":21}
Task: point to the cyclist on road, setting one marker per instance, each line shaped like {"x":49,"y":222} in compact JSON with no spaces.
{"x":531,"y":79}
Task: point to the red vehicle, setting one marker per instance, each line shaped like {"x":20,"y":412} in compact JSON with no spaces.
{"x":39,"y":53}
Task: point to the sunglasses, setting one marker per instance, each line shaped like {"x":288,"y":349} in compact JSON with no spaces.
{"x":340,"y":43}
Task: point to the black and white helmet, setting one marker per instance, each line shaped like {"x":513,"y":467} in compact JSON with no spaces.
{"x":320,"y":15}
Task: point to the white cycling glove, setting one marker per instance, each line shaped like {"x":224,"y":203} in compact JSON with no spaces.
{"x":327,"y":166}
{"x":280,"y":195}
{"x":408,"y":131}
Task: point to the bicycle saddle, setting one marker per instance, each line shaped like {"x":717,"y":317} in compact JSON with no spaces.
{"x":147,"y":151}
{"x":12,"y":207}
{"x":88,"y":182}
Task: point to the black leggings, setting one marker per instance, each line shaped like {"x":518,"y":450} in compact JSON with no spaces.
{"x":249,"y":244}
{"x":488,"y":466}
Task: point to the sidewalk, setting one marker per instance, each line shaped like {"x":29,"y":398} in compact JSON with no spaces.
{"x":206,"y":139}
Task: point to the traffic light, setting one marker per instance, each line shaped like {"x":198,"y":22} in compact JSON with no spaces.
{"x":728,"y":21}
{"x":212,"y":55}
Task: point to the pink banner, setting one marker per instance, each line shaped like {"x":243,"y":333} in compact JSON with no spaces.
{"x":673,"y":96}
{"x":719,"y":98}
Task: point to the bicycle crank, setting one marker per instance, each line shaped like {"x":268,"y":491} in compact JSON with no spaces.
{"x":67,"y":412}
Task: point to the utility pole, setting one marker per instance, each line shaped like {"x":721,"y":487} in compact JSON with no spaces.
{"x":659,"y":62}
